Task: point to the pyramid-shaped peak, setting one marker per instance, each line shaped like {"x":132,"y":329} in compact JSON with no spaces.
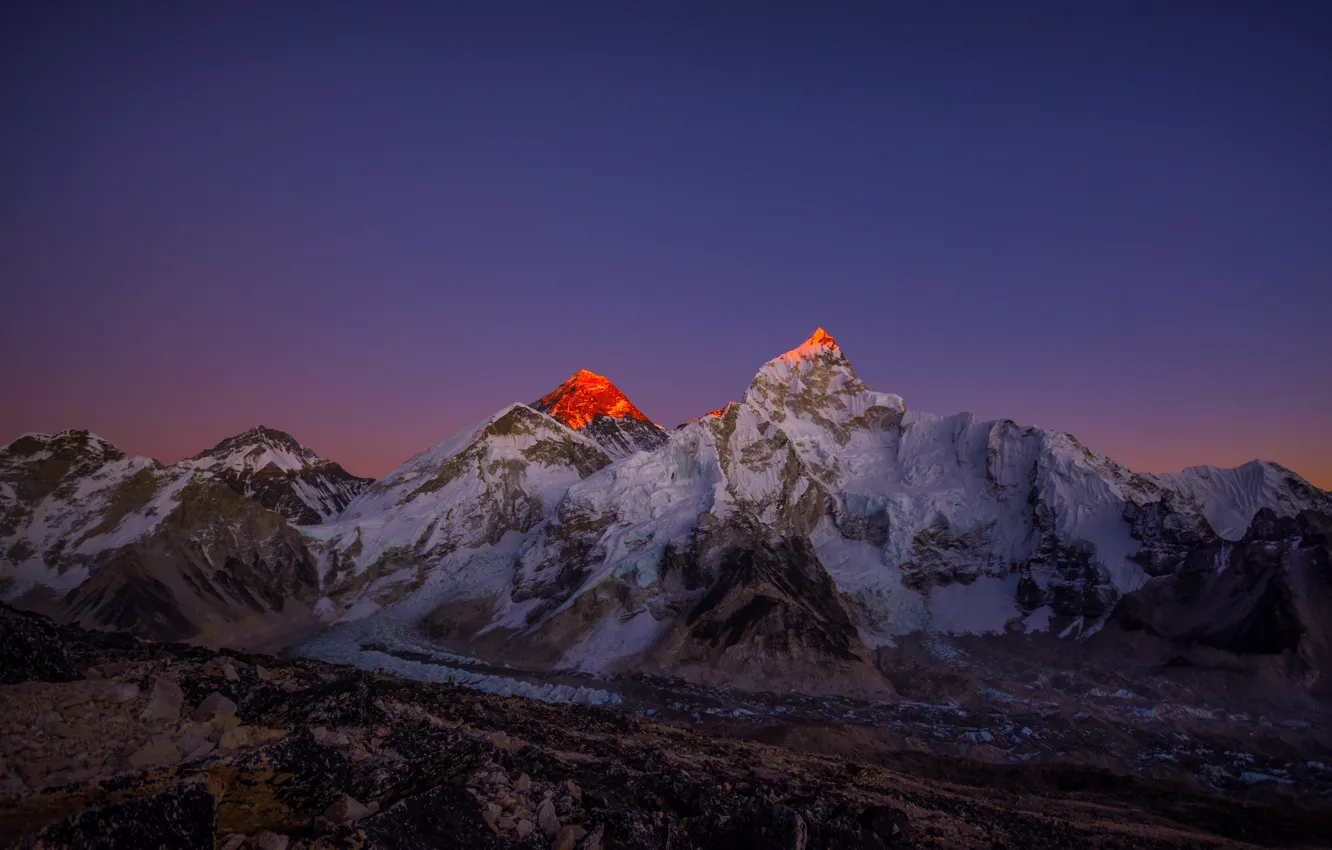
{"x":585,"y":395}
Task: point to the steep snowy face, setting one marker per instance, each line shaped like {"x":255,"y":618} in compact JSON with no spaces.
{"x":1229,"y":498}
{"x":275,"y":470}
{"x":66,"y":500}
{"x":590,"y":403}
{"x":501,"y":477}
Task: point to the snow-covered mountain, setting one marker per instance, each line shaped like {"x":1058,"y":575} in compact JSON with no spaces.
{"x":191,"y":548}
{"x":275,"y":470}
{"x":590,"y":403}
{"x":788,"y":536}
{"x":68,"y":498}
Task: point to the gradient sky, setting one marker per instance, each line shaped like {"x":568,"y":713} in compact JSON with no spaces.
{"x":371,"y":224}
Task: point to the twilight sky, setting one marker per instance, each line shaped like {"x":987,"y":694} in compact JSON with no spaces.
{"x":371,"y":224}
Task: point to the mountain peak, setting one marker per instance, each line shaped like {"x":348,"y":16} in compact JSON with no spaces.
{"x":818,"y":341}
{"x":821,"y":337}
{"x":584,"y":395}
{"x":279,"y":472}
{"x":259,"y":436}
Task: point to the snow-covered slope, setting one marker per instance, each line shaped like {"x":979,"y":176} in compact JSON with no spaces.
{"x":67,"y":499}
{"x":275,"y":470}
{"x":496,"y":480}
{"x":1229,"y":498}
{"x":590,"y":403}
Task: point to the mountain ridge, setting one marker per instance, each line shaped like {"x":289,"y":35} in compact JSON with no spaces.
{"x":794,"y":533}
{"x":918,"y":522}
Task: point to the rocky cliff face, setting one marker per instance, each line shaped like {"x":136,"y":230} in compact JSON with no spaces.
{"x":472,"y":497}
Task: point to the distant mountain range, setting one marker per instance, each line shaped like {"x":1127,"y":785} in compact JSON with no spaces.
{"x":783,"y":539}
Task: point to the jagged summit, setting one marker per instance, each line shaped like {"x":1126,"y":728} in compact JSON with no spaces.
{"x":816,"y":381}
{"x":818,"y":341}
{"x":588,"y":401}
{"x":257,"y":448}
{"x":278,"y":471}
{"x":68,"y":442}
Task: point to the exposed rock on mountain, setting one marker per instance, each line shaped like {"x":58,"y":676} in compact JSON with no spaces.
{"x":276,"y":471}
{"x":219,"y":569}
{"x":481,"y":489}
{"x":589,"y":403}
{"x":170,"y":552}
{"x":66,"y":500}
{"x":772,"y":615}
{"x":1267,"y":594}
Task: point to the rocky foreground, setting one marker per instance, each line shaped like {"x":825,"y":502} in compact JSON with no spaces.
{"x":110,"y":741}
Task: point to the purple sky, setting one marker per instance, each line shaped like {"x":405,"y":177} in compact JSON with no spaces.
{"x":373,"y":224}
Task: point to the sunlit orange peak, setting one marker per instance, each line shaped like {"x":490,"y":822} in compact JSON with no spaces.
{"x":820,"y":337}
{"x":818,"y":341}
{"x":585,"y":394}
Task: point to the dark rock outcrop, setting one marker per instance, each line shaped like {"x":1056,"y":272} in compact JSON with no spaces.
{"x":1267,"y":594}
{"x":32,"y":649}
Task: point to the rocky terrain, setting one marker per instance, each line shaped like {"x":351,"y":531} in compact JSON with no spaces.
{"x":110,"y":741}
